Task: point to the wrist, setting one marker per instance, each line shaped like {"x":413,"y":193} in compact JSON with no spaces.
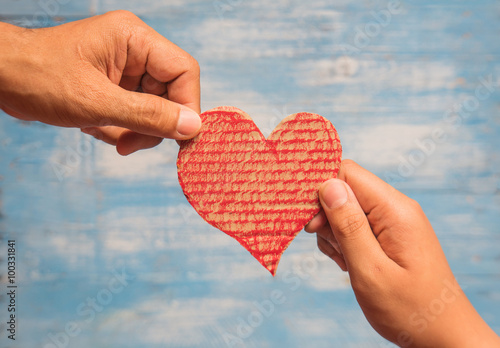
{"x":12,"y":48}
{"x":7,"y":39}
{"x":460,"y":326}
{"x":15,"y":56}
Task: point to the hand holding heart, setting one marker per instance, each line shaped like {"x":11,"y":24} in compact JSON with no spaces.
{"x":261,"y":192}
{"x":87,"y":73}
{"x":397,"y":268}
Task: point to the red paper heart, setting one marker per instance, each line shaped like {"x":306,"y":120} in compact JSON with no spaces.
{"x":260,"y":192}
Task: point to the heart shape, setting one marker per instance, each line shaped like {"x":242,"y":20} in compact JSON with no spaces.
{"x":260,"y":192}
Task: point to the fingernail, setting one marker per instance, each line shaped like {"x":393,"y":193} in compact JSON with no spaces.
{"x":334,"y":193}
{"x":189,"y":122}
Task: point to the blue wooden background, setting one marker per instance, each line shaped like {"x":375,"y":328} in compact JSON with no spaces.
{"x":81,"y":214}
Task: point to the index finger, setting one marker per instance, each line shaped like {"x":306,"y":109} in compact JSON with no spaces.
{"x":367,"y":187}
{"x":168,"y":63}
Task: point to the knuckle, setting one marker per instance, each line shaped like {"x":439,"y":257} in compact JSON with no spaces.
{"x":189,"y":64}
{"x":369,"y":281}
{"x":122,"y":22}
{"x":122,"y":14}
{"x":351,"y":225}
{"x":195,"y":66}
{"x":151,"y":112}
{"x":412,"y":210}
{"x":348,"y":163}
{"x":158,"y":114}
{"x":414,"y":205}
{"x":347,"y":166}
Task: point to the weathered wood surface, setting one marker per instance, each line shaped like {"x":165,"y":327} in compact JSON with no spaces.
{"x":79,"y":211}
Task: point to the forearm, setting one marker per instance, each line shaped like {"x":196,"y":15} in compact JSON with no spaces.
{"x":7,"y":31}
{"x":23,"y":74}
{"x":13,"y":57}
{"x":9,"y":48}
{"x":458,"y":326}
{"x":397,"y":267}
{"x":468,"y":329}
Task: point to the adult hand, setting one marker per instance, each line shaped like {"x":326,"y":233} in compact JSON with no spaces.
{"x":87,"y":73}
{"x":397,"y":268}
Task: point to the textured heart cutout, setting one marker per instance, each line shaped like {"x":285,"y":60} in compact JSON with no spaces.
{"x":260,"y":192}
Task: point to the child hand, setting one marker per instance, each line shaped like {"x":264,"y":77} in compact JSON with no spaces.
{"x":397,"y":268}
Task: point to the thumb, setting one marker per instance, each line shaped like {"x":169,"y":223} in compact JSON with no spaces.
{"x":149,"y":114}
{"x":349,"y":225}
